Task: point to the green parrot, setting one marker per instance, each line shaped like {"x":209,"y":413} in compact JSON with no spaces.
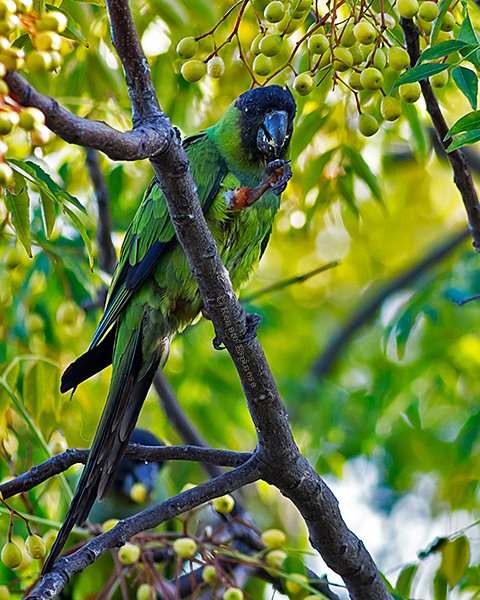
{"x":240,"y":168}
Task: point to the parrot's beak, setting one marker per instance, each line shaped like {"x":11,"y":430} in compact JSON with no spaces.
{"x":272,"y":137}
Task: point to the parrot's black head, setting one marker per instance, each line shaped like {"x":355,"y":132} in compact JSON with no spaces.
{"x":266,"y":122}
{"x":136,"y":478}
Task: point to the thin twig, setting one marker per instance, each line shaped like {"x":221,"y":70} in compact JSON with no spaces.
{"x":107,"y":257}
{"x":462,"y":175}
{"x":61,"y":462}
{"x":367,"y":310}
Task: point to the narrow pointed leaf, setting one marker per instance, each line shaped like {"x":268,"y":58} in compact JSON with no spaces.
{"x":18,"y":205}
{"x":468,"y":122}
{"x":48,"y":213}
{"x":421,"y":72}
{"x":362,"y":170}
{"x":444,"y":6}
{"x":405,"y":580}
{"x":82,"y":231}
{"x":444,"y":49}
{"x":467,"y":82}
{"x":464,"y":139}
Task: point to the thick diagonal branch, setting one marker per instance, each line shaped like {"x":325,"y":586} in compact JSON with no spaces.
{"x":462,"y":174}
{"x":142,"y":142}
{"x":55,"y":581}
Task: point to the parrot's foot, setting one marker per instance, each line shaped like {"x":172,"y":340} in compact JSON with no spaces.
{"x":217,"y":343}
{"x":252,"y":321}
{"x":277,"y":174}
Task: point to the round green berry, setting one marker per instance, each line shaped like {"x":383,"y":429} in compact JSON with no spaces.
{"x":379,"y":59}
{"x":347,"y":36}
{"x":129,"y":554}
{"x":4,"y":592}
{"x":371,"y":79}
{"x":224,"y":504}
{"x":216,"y":67}
{"x":35,"y":546}
{"x":146,"y":592}
{"x":367,"y":125}
{"x":8,"y":120}
{"x":47,"y":40}
{"x":342,"y":59}
{"x":448,"y":22}
{"x":296,"y":583}
{"x":275,"y":558}
{"x":398,"y":58}
{"x":262,"y":65}
{"x":274,"y":12}
{"x":407,"y":8}
{"x":40,"y":135}
{"x":209,"y":574}
{"x":439,"y":80}
{"x":187,"y":47}
{"x":357,"y":55}
{"x":271,"y":44}
{"x":318,"y":43}
{"x":193,"y":70}
{"x":303,"y":84}
{"x":30,"y":117}
{"x":274,"y":538}
{"x":355,"y":81}
{"x":11,"y":555}
{"x":185,"y":547}
{"x":365,"y":33}
{"x":410,"y":92}
{"x":428,"y":11}
{"x":52,"y":21}
{"x":390,"y":108}
{"x":233,"y":593}
{"x":38,"y":61}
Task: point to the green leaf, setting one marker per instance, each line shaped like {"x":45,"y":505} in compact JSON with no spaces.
{"x":21,"y":41}
{"x":455,"y":559}
{"x":444,"y":6}
{"x":72,"y":31}
{"x":444,"y":49}
{"x":419,"y":136}
{"x":467,"y":82}
{"x":48,"y":213}
{"x":420,"y":72}
{"x":468,"y":122}
{"x":37,"y":175}
{"x":468,"y":34}
{"x":362,"y":170}
{"x":405,"y":580}
{"x":100,"y":3}
{"x":82,"y":231}
{"x":440,"y":588}
{"x":18,"y":205}
{"x":464,"y":139}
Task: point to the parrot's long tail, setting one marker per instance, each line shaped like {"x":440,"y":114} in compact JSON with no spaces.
{"x":125,"y":399}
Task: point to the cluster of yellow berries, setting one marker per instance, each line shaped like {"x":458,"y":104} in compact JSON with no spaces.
{"x":49,"y":47}
{"x":360,"y":51}
{"x":18,"y":552}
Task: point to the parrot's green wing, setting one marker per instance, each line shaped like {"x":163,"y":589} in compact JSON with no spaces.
{"x":149,"y":237}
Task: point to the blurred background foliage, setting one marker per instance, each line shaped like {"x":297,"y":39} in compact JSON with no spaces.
{"x":396,"y":415}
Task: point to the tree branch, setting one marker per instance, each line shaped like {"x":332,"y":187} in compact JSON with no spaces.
{"x":178,"y":420}
{"x":280,"y":460}
{"x":462,"y":175}
{"x":367,"y":310}
{"x":107,"y":257}
{"x":55,"y":581}
{"x":142,"y":142}
{"x":61,"y":462}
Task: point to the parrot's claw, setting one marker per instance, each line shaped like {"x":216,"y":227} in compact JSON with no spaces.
{"x":217,"y":343}
{"x":277,"y":173}
{"x":252,"y":322}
